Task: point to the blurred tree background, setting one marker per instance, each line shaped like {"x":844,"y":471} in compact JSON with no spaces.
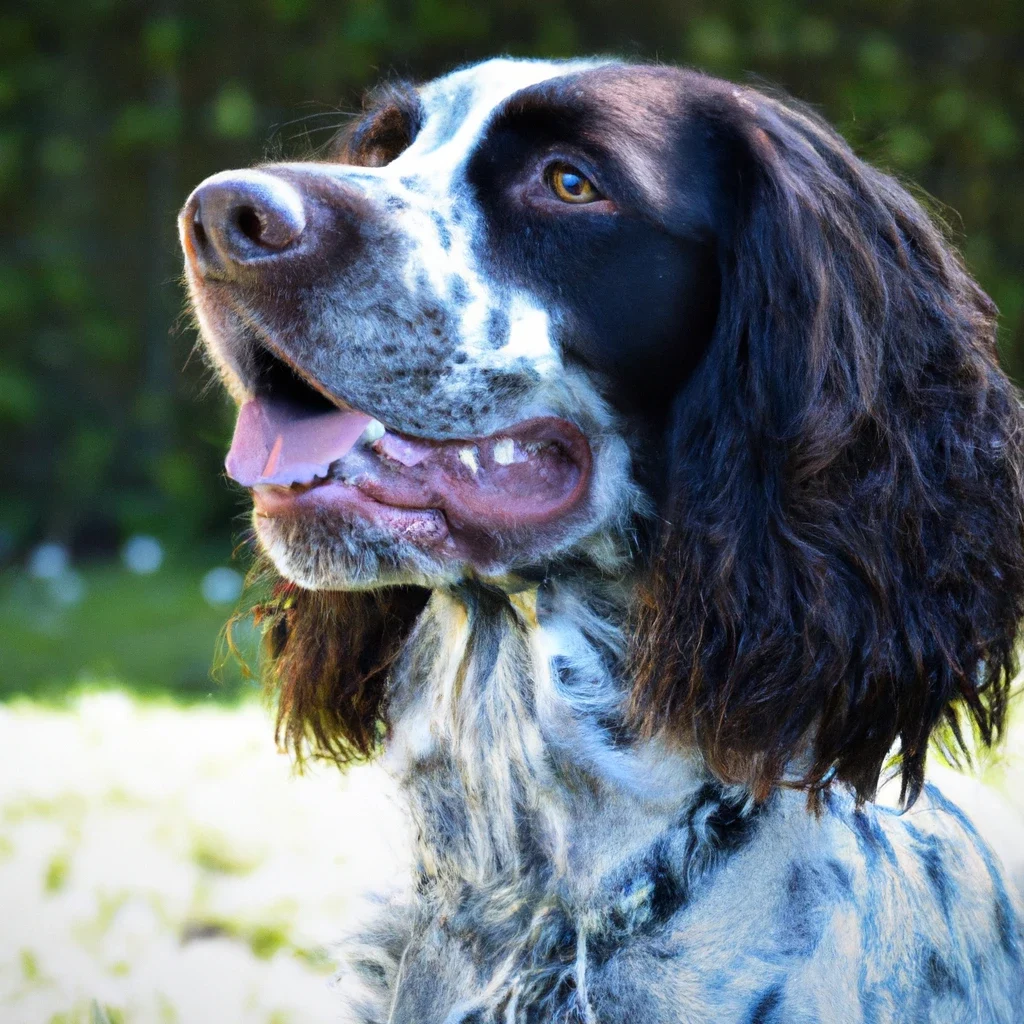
{"x":113,"y":111}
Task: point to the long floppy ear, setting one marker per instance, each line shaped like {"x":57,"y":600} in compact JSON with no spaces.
{"x":843,"y":561}
{"x":326,"y":656}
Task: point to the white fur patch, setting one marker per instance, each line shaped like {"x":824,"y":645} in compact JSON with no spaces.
{"x":429,"y":180}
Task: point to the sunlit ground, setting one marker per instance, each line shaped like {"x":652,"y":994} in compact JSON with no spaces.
{"x":167,"y":863}
{"x":160,"y":862}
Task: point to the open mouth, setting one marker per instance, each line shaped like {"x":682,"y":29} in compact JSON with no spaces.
{"x":298,"y":450}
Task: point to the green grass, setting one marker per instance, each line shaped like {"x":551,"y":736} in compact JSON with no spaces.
{"x":155,"y":634}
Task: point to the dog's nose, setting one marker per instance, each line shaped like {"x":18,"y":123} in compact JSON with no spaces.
{"x":237,"y":218}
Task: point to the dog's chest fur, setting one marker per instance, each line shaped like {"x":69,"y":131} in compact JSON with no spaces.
{"x":566,"y":871}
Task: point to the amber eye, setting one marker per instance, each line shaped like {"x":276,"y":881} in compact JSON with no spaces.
{"x":571,"y":185}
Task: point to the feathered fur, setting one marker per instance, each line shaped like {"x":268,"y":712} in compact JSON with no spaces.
{"x":802,"y":549}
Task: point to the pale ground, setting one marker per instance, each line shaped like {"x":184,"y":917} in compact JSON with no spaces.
{"x":168,"y":864}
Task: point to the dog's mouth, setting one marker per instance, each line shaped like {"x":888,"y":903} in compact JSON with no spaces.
{"x":298,"y":450}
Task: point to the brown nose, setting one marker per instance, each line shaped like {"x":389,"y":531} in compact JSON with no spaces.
{"x":238,"y":218}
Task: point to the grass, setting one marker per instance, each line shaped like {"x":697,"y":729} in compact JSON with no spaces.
{"x":155,"y":634}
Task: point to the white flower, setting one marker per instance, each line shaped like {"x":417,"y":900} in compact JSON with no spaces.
{"x":142,"y":554}
{"x":48,"y":561}
{"x":221,"y":586}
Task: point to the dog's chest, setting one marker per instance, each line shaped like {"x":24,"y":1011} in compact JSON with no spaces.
{"x":541,"y":844}
{"x":503,"y":739}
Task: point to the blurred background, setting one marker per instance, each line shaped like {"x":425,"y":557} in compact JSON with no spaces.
{"x":117,"y":527}
{"x":113,"y":508}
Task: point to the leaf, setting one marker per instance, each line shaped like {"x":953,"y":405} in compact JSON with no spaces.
{"x":98,"y":1015}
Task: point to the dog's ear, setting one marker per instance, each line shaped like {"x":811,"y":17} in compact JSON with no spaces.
{"x":843,"y":562}
{"x":326,"y":656}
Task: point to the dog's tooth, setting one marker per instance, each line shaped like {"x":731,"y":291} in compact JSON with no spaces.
{"x":374,"y":432}
{"x":504,"y":451}
{"x":378,"y":447}
{"x":467,"y":456}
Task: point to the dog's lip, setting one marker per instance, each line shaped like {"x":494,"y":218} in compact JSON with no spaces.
{"x":425,"y":527}
{"x":465,"y":490}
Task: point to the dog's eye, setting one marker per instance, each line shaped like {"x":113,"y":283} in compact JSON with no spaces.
{"x":571,"y":185}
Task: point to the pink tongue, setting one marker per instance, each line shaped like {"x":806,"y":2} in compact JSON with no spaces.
{"x":276,"y":443}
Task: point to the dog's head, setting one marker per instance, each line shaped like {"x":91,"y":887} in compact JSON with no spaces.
{"x":646,"y":321}
{"x":441,"y":340}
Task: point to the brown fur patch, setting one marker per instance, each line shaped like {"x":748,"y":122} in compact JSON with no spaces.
{"x":326,"y":655}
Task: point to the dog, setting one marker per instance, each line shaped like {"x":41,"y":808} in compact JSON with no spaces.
{"x":642,"y":482}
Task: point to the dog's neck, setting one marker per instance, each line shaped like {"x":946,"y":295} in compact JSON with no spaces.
{"x":509,"y":736}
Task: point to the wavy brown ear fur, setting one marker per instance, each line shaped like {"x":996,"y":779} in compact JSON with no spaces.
{"x":326,"y":655}
{"x":843,"y":565}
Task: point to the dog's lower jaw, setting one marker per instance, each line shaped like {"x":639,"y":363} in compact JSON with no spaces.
{"x":568,"y":872}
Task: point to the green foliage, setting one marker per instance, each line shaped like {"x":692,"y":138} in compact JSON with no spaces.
{"x":56,"y":875}
{"x":104,"y":1015}
{"x":234,"y":113}
{"x":112,"y":112}
{"x":29,"y":965}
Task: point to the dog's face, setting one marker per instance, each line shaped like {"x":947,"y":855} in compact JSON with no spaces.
{"x":454,"y":346}
{"x":530,"y":304}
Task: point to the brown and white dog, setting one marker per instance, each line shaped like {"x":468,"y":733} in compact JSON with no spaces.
{"x":641,"y":473}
